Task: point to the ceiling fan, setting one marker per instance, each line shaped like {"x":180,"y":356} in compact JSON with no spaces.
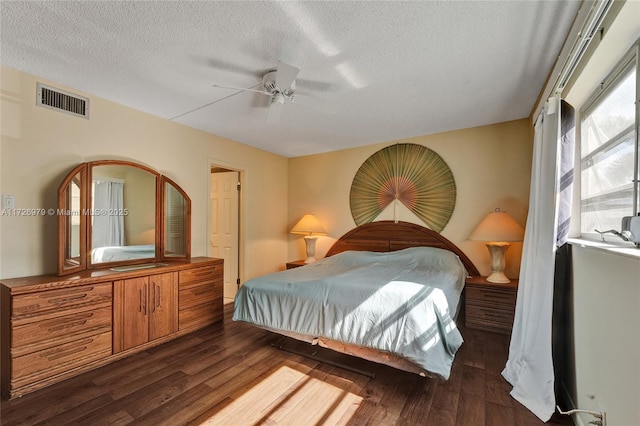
{"x":280,"y":85}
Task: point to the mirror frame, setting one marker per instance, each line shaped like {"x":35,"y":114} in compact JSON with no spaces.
{"x":163,"y":220}
{"x":67,"y":265}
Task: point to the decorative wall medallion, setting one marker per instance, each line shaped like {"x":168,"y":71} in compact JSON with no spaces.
{"x":409,"y":174}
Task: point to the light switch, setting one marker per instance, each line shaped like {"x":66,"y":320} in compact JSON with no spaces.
{"x":8,"y":201}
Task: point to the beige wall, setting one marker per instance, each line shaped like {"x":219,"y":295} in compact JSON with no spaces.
{"x":491,"y":166}
{"x":40,"y":146}
{"x":606,"y":296}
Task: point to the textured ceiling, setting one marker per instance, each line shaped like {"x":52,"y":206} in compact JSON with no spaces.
{"x":384,"y":70}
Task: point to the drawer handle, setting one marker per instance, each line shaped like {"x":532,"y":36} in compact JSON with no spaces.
{"x":58,"y":353}
{"x":61,"y":325}
{"x":492,"y":315}
{"x":69,"y":299}
{"x":157,"y":297}
{"x":62,"y":354}
{"x":69,"y":294}
{"x":153,"y":308}
{"x":496,"y":296}
{"x":144,"y":301}
{"x":201,"y":291}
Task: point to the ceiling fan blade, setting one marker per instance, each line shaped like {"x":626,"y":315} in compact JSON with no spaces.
{"x":317,"y":103}
{"x":230,"y":66}
{"x":275,"y":113}
{"x":242,"y":89}
{"x":285,"y":75}
{"x":317,"y":86}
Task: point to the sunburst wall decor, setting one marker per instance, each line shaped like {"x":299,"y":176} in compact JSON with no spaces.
{"x":405,"y":173}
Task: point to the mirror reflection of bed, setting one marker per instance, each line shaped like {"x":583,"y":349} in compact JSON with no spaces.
{"x":123,"y":223}
{"x":386,"y":292}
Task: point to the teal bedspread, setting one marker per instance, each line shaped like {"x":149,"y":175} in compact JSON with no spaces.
{"x":401,"y":302}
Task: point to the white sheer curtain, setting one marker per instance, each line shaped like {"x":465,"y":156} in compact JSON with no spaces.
{"x":107,"y":228}
{"x":529,"y":368}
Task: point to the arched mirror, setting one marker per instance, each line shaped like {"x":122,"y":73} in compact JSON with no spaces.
{"x":71,"y":221}
{"x":116,"y":213}
{"x":176,"y":229}
{"x":122,"y":207}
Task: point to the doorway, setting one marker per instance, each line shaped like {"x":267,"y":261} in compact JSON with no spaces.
{"x":224,"y":225}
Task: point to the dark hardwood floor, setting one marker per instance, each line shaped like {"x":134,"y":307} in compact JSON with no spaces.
{"x":229,"y":374}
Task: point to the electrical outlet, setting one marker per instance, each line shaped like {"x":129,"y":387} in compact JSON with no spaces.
{"x":8,"y":201}
{"x":603,"y":412}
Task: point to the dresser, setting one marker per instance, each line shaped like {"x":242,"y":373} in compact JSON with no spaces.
{"x":490,"y":306}
{"x":57,"y":327}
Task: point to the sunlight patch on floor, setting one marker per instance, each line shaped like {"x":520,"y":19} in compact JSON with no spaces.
{"x":288,"y":396}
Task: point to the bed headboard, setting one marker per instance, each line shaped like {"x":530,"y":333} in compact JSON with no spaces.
{"x":387,"y":235}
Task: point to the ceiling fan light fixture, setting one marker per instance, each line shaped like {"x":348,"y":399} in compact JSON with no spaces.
{"x":279,"y":84}
{"x":278,"y":98}
{"x":269,"y":84}
{"x":269,"y":81}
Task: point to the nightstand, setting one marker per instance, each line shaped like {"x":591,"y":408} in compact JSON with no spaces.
{"x":295,"y":264}
{"x":490,"y":306}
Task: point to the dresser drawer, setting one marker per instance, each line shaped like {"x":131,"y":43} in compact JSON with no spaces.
{"x":204,"y":293}
{"x":490,"y":306}
{"x":59,"y":300}
{"x":201,"y":315}
{"x":483,"y":315}
{"x":196,"y":275}
{"x":489,"y":296}
{"x":60,"y":358}
{"x":53,"y":331}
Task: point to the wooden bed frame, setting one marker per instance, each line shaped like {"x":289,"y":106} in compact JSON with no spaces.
{"x":388,"y":235}
{"x":384,"y":236}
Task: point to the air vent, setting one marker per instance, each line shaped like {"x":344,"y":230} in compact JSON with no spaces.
{"x":50,"y":97}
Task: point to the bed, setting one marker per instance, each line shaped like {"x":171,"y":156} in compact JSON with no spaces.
{"x":387,"y":292}
{"x":118,"y":253}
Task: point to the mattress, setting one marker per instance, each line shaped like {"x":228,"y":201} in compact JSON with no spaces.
{"x":401,"y":303}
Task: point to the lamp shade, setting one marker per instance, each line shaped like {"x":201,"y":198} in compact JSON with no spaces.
{"x":498,"y":226}
{"x":309,"y":225}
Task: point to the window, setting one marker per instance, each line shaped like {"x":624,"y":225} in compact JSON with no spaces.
{"x":609,"y":150}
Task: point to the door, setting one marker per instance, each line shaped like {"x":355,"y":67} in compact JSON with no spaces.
{"x":135,"y":322}
{"x":163,"y":304}
{"x":223,"y":238}
{"x":145,"y":308}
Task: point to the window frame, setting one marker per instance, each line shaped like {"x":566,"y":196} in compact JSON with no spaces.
{"x":629,"y":60}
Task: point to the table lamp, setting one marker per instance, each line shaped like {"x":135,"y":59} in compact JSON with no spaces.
{"x":310,"y":227}
{"x":497,"y":230}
